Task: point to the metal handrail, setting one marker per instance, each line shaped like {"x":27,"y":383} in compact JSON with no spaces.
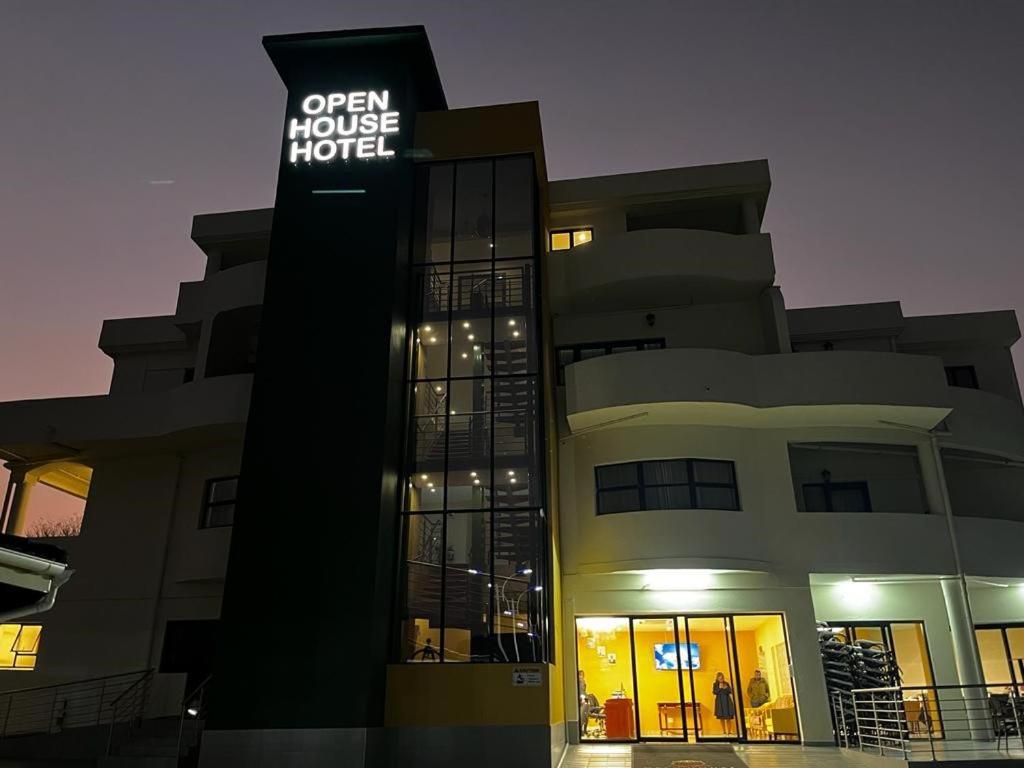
{"x":196,"y":698}
{"x":949,"y":719}
{"x":136,"y":705}
{"x":58,"y":706}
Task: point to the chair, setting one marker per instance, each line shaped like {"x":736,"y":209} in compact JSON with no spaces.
{"x":1004,"y":718}
{"x":592,"y":708}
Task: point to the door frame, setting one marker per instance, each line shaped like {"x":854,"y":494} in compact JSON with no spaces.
{"x":741,"y":723}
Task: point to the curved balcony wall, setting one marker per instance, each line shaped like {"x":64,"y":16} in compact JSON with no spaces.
{"x":240,"y":286}
{"x":32,"y":428}
{"x":983,"y":421}
{"x":719,"y":387}
{"x":990,"y":547}
{"x":660,"y":267}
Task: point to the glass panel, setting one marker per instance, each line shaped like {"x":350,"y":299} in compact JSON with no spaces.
{"x":711,"y":676}
{"x":219,"y":515}
{"x":1015,"y":637}
{"x":433,"y":242}
{"x":713,"y":497}
{"x":561,"y":241}
{"x":516,"y":416}
{"x":224,"y":490}
{"x":467,"y":598}
{"x":473,"y":211}
{"x":514,"y":230}
{"x":605,"y":679}
{"x":908,"y":641}
{"x":28,"y":639}
{"x":581,"y":236}
{"x":656,"y":661}
{"x":994,"y":662}
{"x":850,"y":499}
{"x":616,"y":475}
{"x":518,"y":585}
{"x":515,"y":335}
{"x":515,"y":487}
{"x":870,"y":634}
{"x":713,"y":472}
{"x":667,"y":497}
{"x":425,"y":484}
{"x":469,"y":444}
{"x":663,"y":472}
{"x":814,"y":499}
{"x":421,"y":623}
{"x":769,"y":706}
{"x":610,"y":502}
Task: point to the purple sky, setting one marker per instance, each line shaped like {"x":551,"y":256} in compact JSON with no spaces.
{"x":893,"y":129}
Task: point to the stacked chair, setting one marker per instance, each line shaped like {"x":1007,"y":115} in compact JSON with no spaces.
{"x":851,"y":665}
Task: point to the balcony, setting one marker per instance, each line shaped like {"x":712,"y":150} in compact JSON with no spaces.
{"x":721,"y":387}
{"x":660,"y":267}
{"x":983,"y":421}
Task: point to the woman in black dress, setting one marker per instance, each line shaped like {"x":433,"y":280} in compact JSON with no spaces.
{"x":725,"y":710}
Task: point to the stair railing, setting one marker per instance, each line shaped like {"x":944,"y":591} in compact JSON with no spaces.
{"x":129,"y":706}
{"x":192,"y":709}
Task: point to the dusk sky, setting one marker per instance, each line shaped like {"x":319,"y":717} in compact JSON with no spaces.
{"x":893,"y":130}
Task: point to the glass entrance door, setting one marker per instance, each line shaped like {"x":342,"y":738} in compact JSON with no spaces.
{"x":662,"y":712}
{"x":685,"y":678}
{"x":712,"y":676}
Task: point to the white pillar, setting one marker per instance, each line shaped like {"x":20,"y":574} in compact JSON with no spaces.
{"x":17,"y":519}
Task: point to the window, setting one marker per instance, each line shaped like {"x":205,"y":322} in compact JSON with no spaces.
{"x":19,"y":644}
{"x":1001,"y":647}
{"x":857,"y":477}
{"x":219,"y":502}
{"x":563,"y":241}
{"x":666,"y":484}
{"x":837,"y":497}
{"x":573,"y":354}
{"x":962,"y":376}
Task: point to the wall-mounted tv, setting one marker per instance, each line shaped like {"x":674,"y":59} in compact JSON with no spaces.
{"x":667,"y":656}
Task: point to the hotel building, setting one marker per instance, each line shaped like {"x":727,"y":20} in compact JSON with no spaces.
{"x":442,"y":460}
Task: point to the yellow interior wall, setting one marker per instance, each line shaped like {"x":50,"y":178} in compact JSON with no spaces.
{"x":464,"y":694}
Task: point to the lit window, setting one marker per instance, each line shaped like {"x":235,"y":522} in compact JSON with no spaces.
{"x":563,"y":241}
{"x":19,"y":644}
{"x":219,"y":502}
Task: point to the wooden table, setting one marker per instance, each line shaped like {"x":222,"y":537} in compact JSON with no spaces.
{"x":619,"y":721}
{"x":670,"y":710}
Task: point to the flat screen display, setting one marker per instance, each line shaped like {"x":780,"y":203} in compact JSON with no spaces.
{"x":667,"y":656}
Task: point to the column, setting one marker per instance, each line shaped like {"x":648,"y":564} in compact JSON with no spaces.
{"x":17,"y":520}
{"x":977,"y":724}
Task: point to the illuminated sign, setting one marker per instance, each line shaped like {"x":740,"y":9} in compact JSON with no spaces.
{"x":340,"y":126}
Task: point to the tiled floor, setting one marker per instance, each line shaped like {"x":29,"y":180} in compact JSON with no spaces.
{"x":618,"y":756}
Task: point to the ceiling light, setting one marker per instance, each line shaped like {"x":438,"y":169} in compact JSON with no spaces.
{"x":453,"y":411}
{"x":427,"y":328}
{"x":472,"y":474}
{"x":433,"y":339}
{"x":473,"y":571}
{"x":433,"y":490}
{"x":677,"y":579}
{"x":538,"y":588}
{"x":512,"y":480}
{"x":471,"y":337}
{"x":423,"y":477}
{"x":465,"y":355}
{"x":511,"y":322}
{"x":477,"y":481}
{"x":439,"y":389}
{"x":526,"y":571}
{"x":511,"y":472}
{"x":430,"y":485}
{"x":476,"y":347}
{"x":515,"y":334}
{"x":465,"y":324}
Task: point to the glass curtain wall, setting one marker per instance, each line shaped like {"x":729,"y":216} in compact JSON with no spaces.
{"x":475,"y":533}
